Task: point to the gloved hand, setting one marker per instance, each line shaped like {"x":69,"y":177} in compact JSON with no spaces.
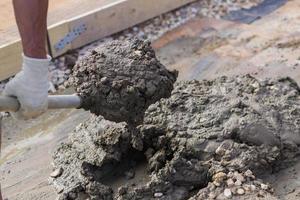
{"x":30,"y":86}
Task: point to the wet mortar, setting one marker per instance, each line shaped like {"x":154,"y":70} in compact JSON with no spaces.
{"x":209,"y":140}
{"x":120,"y":79}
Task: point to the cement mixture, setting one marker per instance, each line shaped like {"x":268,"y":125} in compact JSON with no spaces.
{"x":209,"y":140}
{"x":120,"y":79}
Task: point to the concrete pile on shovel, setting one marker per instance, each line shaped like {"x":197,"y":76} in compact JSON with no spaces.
{"x":209,"y":140}
{"x":120,"y":79}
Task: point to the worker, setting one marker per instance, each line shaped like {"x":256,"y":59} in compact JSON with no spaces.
{"x":30,"y":86}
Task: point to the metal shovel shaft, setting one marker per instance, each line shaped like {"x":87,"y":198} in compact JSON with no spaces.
{"x":54,"y":102}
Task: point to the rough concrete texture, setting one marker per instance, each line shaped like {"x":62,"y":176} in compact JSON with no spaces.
{"x":120,"y":79}
{"x":95,"y":148}
{"x":209,"y":140}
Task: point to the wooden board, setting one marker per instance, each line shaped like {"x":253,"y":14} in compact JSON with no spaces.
{"x":98,"y":22}
{"x":10,"y":59}
{"x":59,"y":10}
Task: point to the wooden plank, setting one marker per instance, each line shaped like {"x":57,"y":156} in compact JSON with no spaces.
{"x":113,"y":18}
{"x":59,"y":10}
{"x":10,"y":59}
{"x":99,"y":23}
{"x":56,"y":32}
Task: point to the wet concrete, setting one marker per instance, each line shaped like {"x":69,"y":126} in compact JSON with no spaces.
{"x":240,"y":126}
{"x":120,"y":79}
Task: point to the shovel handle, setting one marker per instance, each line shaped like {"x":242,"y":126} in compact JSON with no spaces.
{"x":54,"y":102}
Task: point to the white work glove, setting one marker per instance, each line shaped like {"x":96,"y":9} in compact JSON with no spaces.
{"x":30,"y":86}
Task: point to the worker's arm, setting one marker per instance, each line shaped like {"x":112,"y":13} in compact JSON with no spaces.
{"x":31,"y":18}
{"x":31,"y":85}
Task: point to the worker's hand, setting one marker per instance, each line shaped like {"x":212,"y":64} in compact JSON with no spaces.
{"x":30,"y":86}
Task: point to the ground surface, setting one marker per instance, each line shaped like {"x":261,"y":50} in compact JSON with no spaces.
{"x":201,"y":49}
